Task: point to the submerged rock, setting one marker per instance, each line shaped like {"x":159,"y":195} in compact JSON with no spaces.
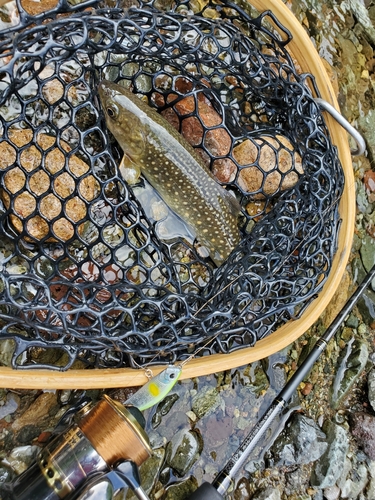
{"x":183,"y":450}
{"x":180,"y":491}
{"x":149,"y":471}
{"x":206,"y":401}
{"x":301,"y":442}
{"x":328,"y":469}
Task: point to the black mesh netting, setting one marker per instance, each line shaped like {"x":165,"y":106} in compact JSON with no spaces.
{"x":106,"y":273}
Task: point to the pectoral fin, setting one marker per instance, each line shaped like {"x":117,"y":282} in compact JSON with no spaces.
{"x":129,"y":170}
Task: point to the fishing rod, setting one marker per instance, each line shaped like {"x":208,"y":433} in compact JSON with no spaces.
{"x":99,"y":452}
{"x":223,"y":480}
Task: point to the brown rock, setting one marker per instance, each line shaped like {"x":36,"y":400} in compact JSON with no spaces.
{"x":44,"y":437}
{"x":37,"y":191}
{"x":307,"y":388}
{"x":34,"y":8}
{"x":369,"y":180}
{"x":224,"y":169}
{"x":53,"y":90}
{"x":192,"y":130}
{"x":38,"y":411}
{"x":216,"y":140}
{"x":271,"y":164}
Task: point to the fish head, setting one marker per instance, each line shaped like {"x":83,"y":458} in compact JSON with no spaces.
{"x":122,"y":119}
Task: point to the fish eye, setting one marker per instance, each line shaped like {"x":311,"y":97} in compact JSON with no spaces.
{"x":112,"y":110}
{"x":172,"y":375}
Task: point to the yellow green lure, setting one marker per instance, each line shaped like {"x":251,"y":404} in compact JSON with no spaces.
{"x":156,"y":388}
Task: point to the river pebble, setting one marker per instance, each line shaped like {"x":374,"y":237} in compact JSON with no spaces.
{"x":206,"y":401}
{"x":363,"y":428}
{"x":149,"y":472}
{"x":267,"y":494}
{"x":371,"y":387}
{"x":180,"y":491}
{"x":332,"y":493}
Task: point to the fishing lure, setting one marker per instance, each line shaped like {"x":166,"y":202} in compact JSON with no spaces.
{"x":156,"y":388}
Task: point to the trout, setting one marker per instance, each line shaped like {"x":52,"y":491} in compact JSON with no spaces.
{"x":154,"y":148}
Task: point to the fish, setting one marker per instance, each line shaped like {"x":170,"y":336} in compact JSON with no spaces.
{"x":170,"y":164}
{"x":156,"y":388}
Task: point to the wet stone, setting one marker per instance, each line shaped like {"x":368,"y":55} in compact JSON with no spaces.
{"x":351,"y":364}
{"x":301,"y":442}
{"x":163,"y":408}
{"x":329,"y":468}
{"x":183,"y":450}
{"x":267,"y":494}
{"x":22,"y":457}
{"x":28,"y":433}
{"x":182,"y":490}
{"x":6,"y":474}
{"x":206,"y":401}
{"x":363,"y":429}
{"x":149,"y":471}
{"x":242,"y":491}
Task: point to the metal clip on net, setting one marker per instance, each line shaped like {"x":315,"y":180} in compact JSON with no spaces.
{"x":361,"y":145}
